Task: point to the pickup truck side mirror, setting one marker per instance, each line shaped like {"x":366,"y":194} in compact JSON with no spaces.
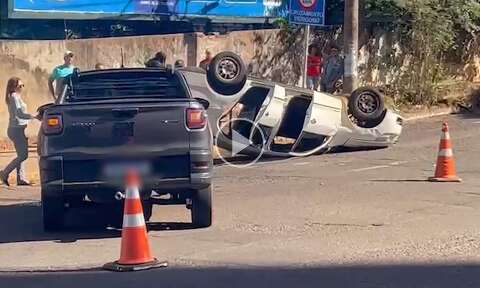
{"x":204,"y":103}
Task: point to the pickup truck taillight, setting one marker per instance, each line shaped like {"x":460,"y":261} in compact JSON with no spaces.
{"x":196,"y":118}
{"x":52,"y":124}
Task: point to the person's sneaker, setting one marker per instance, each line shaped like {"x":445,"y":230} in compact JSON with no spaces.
{"x":4,"y":178}
{"x":23,"y":183}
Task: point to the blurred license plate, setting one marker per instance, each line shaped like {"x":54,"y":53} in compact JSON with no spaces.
{"x":120,"y":168}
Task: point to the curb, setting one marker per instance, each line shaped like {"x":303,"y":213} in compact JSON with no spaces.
{"x":53,"y":269}
{"x":429,"y":114}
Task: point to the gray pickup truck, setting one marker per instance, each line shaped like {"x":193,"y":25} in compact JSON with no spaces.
{"x":109,"y":121}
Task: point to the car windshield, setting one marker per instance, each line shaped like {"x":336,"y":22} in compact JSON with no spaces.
{"x":126,"y":84}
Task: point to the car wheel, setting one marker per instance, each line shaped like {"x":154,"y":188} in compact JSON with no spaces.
{"x":202,"y":208}
{"x":226,"y":73}
{"x":53,"y":209}
{"x":366,"y":104}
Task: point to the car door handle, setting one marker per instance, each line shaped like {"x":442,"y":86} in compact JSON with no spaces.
{"x":125,"y":112}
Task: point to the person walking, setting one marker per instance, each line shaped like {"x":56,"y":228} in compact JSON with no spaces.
{"x":59,"y":74}
{"x":314,"y":68}
{"x":332,"y":71}
{"x":17,"y":123}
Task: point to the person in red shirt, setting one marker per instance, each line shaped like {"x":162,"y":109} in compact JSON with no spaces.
{"x":314,"y":68}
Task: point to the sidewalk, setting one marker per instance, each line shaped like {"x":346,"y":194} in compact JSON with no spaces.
{"x":32,"y":166}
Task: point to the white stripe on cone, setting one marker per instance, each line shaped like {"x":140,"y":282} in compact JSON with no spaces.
{"x":132,"y":193}
{"x":445,"y":153}
{"x":133,"y":220}
{"x":446,"y":136}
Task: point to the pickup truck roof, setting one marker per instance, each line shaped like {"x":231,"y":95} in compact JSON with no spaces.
{"x":126,"y":83}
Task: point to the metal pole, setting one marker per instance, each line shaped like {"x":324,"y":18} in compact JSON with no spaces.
{"x":307,"y":40}
{"x":350,"y":30}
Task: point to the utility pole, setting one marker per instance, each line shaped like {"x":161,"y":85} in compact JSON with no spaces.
{"x":350,"y":43}
{"x":305,"y":59}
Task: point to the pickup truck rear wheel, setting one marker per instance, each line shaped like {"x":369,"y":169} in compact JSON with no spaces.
{"x":53,"y":213}
{"x":202,"y":207}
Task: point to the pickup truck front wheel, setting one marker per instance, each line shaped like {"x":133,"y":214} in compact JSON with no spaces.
{"x":202,"y":207}
{"x":53,"y":213}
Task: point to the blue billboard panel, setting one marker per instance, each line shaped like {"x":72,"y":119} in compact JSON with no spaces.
{"x":87,"y":9}
{"x":307,"y":12}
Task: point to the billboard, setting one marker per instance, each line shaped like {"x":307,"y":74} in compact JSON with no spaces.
{"x":145,"y":9}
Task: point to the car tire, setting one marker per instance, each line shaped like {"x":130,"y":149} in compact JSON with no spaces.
{"x":226,"y":73}
{"x":202,"y":208}
{"x":53,"y":209}
{"x":366,"y":104}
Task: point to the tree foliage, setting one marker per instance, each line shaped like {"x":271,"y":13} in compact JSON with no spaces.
{"x":433,"y":34}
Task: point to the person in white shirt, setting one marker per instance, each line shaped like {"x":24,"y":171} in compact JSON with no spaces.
{"x":17,"y":123}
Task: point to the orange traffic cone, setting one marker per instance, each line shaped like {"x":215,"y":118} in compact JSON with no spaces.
{"x":135,"y":251}
{"x":445,"y":170}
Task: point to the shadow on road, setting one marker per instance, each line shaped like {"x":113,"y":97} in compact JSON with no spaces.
{"x":392,"y":276}
{"x":23,"y":223}
{"x":243,"y":159}
{"x":165,"y":226}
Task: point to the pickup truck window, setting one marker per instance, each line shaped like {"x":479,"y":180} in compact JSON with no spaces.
{"x":126,"y":84}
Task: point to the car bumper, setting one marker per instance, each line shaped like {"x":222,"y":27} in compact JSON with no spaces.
{"x":52,"y":172}
{"x":383,"y":135}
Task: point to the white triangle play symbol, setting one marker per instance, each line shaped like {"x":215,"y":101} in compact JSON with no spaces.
{"x":239,"y":143}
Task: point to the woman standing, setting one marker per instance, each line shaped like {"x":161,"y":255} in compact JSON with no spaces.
{"x":17,"y":123}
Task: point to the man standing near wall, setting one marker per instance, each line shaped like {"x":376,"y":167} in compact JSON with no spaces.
{"x":332,"y":70}
{"x":158,"y":61}
{"x":59,"y":75}
{"x":205,"y":62}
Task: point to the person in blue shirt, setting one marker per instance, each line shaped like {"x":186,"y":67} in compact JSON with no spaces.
{"x":59,"y":74}
{"x":332,"y":70}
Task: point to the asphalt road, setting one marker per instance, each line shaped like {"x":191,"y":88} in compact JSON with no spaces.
{"x":351,"y":219}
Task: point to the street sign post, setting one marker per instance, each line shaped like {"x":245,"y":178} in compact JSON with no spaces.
{"x":308,"y":13}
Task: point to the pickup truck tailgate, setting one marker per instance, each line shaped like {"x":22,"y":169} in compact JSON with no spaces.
{"x":124,"y":128}
{"x":95,"y":135}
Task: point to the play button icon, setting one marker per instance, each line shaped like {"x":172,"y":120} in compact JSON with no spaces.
{"x":239,"y":136}
{"x":239,"y":143}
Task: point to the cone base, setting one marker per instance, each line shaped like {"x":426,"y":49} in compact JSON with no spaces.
{"x":446,"y":179}
{"x":116,"y":267}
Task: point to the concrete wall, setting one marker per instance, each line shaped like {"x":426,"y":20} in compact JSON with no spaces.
{"x":34,"y":60}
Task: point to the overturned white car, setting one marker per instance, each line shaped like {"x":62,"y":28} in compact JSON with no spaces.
{"x":293,"y":121}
